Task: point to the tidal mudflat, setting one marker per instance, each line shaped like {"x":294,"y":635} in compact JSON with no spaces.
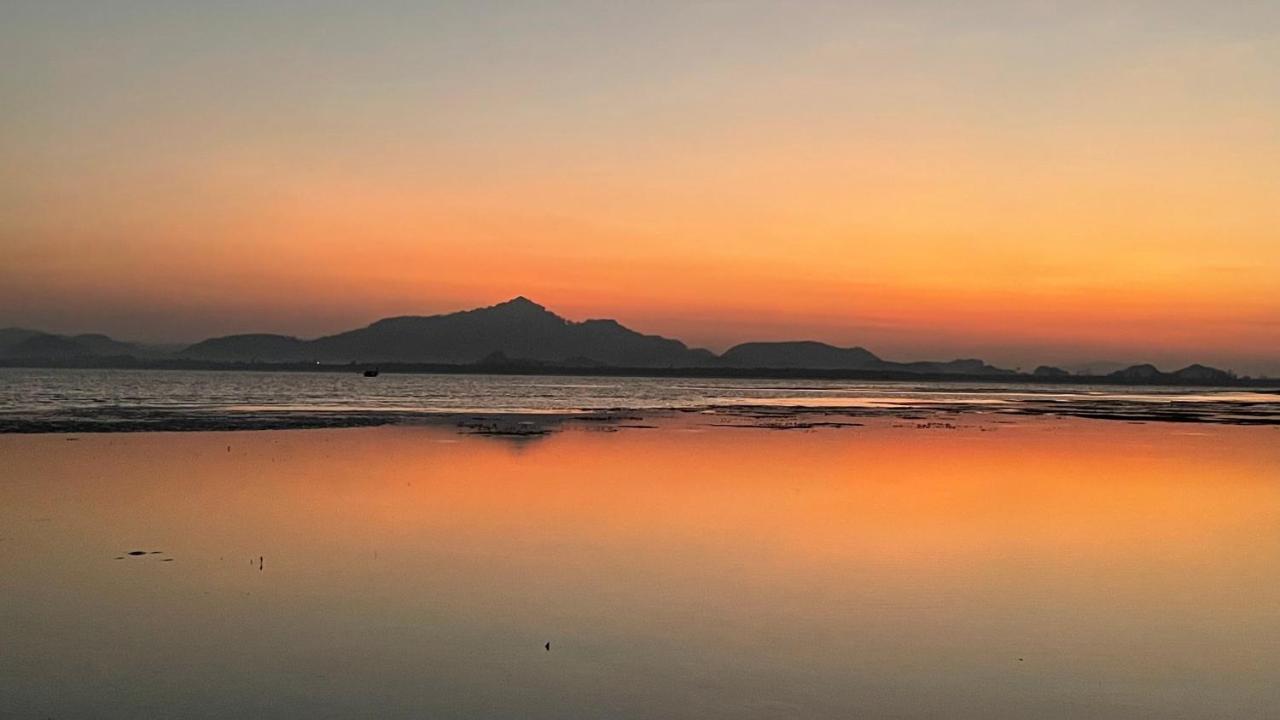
{"x":688,"y":567}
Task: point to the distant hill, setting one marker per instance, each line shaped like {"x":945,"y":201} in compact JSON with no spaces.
{"x":970,"y":366}
{"x":249,"y":348}
{"x":1203,"y":373}
{"x":520,"y":335}
{"x":1048,"y":371}
{"x":34,"y":344}
{"x":99,"y":344}
{"x":801,"y":354}
{"x":47,"y":346}
{"x":1192,"y":373}
{"x":1096,"y":367}
{"x":811,"y":355}
{"x":10,"y":337}
{"x":522,"y":331}
{"x":518,"y":329}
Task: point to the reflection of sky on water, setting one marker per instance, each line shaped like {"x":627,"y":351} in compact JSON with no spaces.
{"x":1053,"y":569}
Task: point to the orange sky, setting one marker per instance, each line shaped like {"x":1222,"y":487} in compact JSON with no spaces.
{"x":1045,"y":184}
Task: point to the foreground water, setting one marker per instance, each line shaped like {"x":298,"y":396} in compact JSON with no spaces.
{"x":1017,"y":568}
{"x":113,"y":400}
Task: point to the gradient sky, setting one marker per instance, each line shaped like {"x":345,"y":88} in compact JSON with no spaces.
{"x":1024,"y":181}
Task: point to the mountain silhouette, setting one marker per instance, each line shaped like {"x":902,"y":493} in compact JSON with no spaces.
{"x":23,"y":343}
{"x":1203,"y":373}
{"x":519,"y":332}
{"x":800,"y":354}
{"x":10,"y":337}
{"x":1192,"y":373}
{"x":812,"y":355}
{"x":253,"y":347}
{"x":520,"y":335}
{"x":519,"y":329}
{"x":1050,"y":372}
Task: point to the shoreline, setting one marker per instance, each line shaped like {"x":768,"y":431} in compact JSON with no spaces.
{"x":688,"y":373}
{"x":112,"y":420}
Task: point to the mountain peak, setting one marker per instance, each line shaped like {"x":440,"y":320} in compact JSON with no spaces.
{"x":520,"y":301}
{"x":517,"y":308}
{"x":520,"y":306}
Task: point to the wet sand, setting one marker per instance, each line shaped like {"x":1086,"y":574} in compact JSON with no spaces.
{"x":743,"y":564}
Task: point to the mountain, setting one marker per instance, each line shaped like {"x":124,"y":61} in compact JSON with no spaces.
{"x":811,"y":355}
{"x":99,"y":344}
{"x":1192,"y":373}
{"x":52,"y":347}
{"x":1143,"y":372}
{"x":1096,"y":367}
{"x":968,"y":366}
{"x":520,"y":335}
{"x":1049,"y":371}
{"x":1202,"y":373}
{"x":249,"y":348}
{"x":34,"y":344}
{"x":519,"y":329}
{"x":800,"y":354}
{"x":10,"y":337}
{"x":520,"y":332}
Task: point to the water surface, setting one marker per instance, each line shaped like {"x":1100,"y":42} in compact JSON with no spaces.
{"x":107,"y":400}
{"x":1021,"y":568}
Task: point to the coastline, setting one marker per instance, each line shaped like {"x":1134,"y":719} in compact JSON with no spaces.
{"x":538,"y":423}
{"x":516,"y":368}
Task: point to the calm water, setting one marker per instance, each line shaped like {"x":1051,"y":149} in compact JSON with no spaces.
{"x":1032,"y":569}
{"x":171,"y":397}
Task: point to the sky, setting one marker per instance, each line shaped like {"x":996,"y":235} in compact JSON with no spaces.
{"x":1024,"y":182}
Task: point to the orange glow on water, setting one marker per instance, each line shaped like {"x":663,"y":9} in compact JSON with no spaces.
{"x":1125,"y":562}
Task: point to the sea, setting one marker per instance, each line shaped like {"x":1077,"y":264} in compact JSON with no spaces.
{"x":105,"y":400}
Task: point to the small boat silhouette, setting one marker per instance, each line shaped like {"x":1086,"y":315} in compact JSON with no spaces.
{"x":371,"y":373}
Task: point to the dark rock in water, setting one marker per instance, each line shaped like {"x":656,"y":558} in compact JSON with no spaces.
{"x":157,"y":552}
{"x":548,"y":647}
{"x":137,"y":552}
{"x":167,"y":560}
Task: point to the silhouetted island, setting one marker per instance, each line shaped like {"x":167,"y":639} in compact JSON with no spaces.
{"x":521,"y":336}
